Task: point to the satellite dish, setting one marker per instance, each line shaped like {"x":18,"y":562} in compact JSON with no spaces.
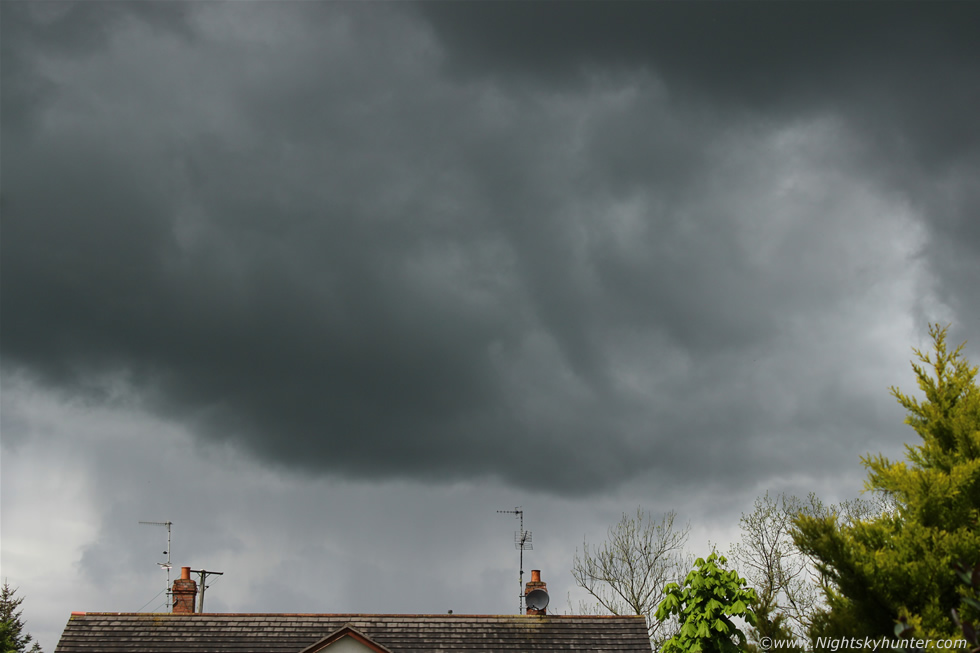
{"x":536,"y":600}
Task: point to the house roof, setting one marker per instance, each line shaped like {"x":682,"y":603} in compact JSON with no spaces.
{"x":366,"y":643}
{"x":292,"y":633}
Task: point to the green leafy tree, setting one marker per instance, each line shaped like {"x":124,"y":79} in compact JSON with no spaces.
{"x":13,"y":638}
{"x":899,"y":564}
{"x":705,"y":607}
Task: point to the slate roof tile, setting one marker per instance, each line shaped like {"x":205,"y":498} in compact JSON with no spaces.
{"x":274,"y":633}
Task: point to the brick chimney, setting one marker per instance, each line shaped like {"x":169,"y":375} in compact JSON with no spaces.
{"x":185,"y":592}
{"x":540,"y":599}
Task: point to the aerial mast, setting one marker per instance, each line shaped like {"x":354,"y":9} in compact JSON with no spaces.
{"x":522,"y":541}
{"x":164,"y":565}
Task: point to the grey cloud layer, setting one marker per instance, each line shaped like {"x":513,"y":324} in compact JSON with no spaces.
{"x":322,"y":232}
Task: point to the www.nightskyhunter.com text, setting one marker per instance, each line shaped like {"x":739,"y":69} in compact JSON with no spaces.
{"x":865,"y":643}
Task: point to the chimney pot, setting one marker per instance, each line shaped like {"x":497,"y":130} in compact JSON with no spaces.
{"x":184,"y":592}
{"x":535,"y":584}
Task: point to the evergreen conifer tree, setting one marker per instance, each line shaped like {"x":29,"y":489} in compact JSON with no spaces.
{"x":13,"y":638}
{"x":900,"y":564}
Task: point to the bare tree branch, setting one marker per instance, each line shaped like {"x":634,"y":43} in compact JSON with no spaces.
{"x":627,"y":573}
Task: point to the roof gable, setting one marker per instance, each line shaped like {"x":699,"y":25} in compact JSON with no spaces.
{"x":347,"y":640}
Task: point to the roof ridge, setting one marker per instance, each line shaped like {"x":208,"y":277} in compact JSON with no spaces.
{"x":358,"y":615}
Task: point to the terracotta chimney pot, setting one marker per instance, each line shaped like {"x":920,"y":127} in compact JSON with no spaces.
{"x":535,"y":584}
{"x":184,"y":592}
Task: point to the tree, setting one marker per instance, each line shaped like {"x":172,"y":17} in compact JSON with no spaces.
{"x":899,"y":564}
{"x":13,"y":639}
{"x":970,"y":605}
{"x":772,"y":629}
{"x":711,"y":596}
{"x":784,"y":579}
{"x":627,"y":573}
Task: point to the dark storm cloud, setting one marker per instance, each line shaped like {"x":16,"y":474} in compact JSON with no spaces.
{"x":917,"y":58}
{"x":904,"y":75}
{"x":286,"y":227}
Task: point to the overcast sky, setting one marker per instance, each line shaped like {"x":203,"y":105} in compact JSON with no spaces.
{"x":328,"y":284}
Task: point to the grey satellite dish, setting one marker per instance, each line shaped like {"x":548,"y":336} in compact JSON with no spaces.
{"x":536,"y":600}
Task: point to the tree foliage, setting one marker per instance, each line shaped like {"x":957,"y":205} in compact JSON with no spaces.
{"x":899,"y":564}
{"x":712,"y":595}
{"x":627,"y":573}
{"x":13,"y":637}
{"x":969,"y":606}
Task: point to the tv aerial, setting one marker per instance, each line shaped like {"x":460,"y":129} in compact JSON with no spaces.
{"x":522,"y":542}
{"x":163,"y":565}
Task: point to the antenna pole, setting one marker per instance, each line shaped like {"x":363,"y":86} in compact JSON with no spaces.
{"x":522,"y":540}
{"x":165,"y":565}
{"x":204,"y":575}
